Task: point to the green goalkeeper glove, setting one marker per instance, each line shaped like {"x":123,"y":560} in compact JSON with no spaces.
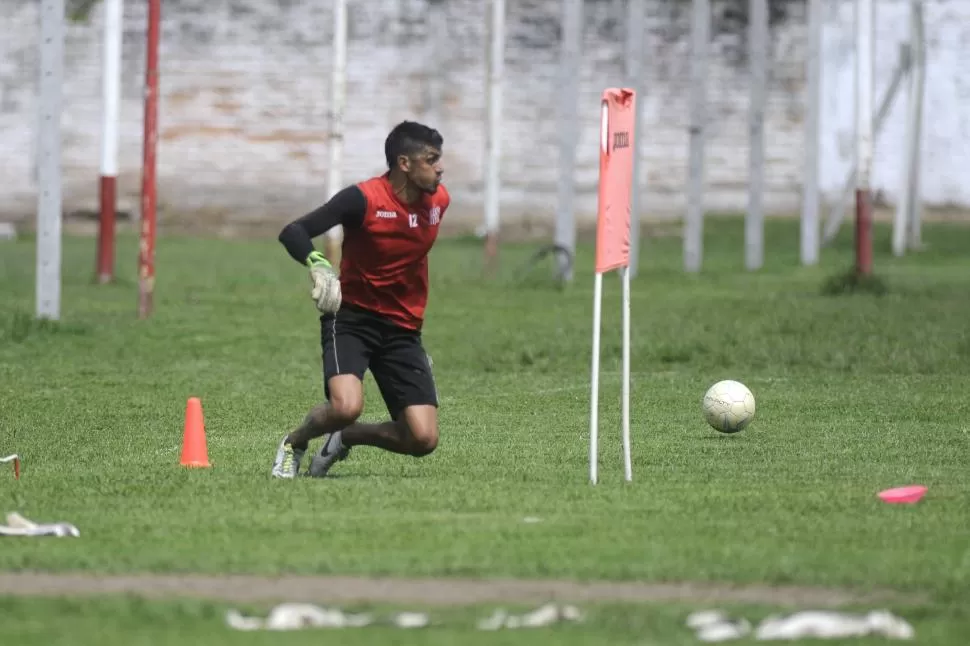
{"x":326,"y":284}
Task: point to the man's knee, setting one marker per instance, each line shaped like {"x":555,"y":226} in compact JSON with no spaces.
{"x":422,"y":429}
{"x":424,"y":441}
{"x":346,"y":400}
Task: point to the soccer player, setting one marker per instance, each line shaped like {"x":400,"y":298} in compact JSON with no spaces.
{"x":372,"y":314}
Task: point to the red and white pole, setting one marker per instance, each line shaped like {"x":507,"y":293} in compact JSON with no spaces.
{"x":111,"y":102}
{"x":864,"y":134}
{"x":146,"y":247}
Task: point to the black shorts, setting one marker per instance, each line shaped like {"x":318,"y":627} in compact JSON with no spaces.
{"x":355,"y":340}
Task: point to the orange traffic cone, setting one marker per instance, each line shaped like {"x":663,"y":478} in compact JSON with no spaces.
{"x":194,"y":451}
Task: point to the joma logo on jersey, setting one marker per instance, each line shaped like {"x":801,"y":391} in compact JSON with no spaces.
{"x":435,"y":215}
{"x":387,"y":215}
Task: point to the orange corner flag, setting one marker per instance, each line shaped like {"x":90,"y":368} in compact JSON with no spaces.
{"x":194,"y":450}
{"x":616,"y":179}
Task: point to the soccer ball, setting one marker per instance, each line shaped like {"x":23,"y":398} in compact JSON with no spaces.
{"x":728,"y":406}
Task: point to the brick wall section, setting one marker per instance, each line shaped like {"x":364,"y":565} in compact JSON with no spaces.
{"x":244,"y":85}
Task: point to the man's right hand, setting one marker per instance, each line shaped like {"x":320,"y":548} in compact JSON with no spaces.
{"x":326,"y":284}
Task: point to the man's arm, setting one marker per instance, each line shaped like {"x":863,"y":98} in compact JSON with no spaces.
{"x":346,"y":208}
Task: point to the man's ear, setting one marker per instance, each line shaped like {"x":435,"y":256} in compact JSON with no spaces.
{"x":404,"y":163}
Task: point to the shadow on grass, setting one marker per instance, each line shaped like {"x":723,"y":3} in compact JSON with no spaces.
{"x":852,"y":282}
{"x":19,"y":326}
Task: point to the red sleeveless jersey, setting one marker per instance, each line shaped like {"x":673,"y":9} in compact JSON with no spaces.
{"x":384,"y":261}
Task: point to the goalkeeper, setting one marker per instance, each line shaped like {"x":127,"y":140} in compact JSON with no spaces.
{"x":371,"y":315}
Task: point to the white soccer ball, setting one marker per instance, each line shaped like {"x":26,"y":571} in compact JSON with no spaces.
{"x":728,"y":406}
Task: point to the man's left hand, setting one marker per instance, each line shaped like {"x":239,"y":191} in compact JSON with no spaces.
{"x":326,"y":284}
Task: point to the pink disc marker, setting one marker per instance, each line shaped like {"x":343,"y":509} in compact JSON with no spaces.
{"x":903,"y":495}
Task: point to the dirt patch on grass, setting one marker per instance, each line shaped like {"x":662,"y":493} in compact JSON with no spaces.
{"x":433,"y":591}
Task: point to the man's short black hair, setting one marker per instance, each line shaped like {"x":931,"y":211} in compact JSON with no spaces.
{"x":409,"y":138}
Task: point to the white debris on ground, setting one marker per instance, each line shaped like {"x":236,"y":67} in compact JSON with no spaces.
{"x":411,"y":620}
{"x":546,"y":615}
{"x":17,"y":525}
{"x":299,"y":616}
{"x":834,"y":625}
{"x":717,"y":626}
{"x":709,"y":625}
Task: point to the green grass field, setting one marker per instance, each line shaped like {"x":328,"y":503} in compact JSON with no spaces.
{"x":855,"y":393}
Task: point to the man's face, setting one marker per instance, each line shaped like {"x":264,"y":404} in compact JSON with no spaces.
{"x":424,"y":169}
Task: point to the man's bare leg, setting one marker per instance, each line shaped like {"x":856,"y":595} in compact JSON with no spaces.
{"x":318,"y":422}
{"x":345,"y":405}
{"x":414,"y":433}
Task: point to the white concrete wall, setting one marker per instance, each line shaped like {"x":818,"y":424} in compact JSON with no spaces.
{"x":244,"y":83}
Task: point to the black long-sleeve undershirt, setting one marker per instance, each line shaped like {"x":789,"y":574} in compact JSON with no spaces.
{"x":346,"y":208}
